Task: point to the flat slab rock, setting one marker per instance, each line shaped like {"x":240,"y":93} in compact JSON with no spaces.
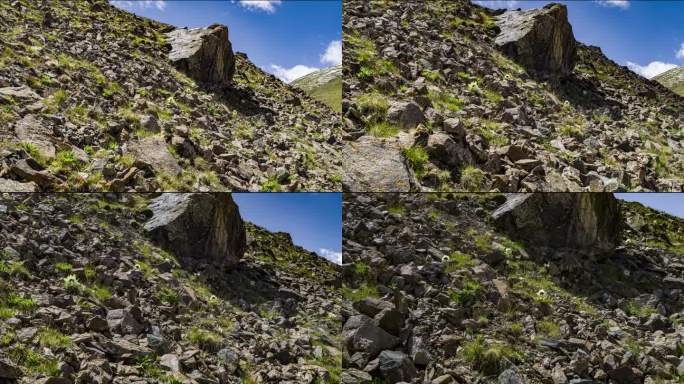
{"x":8,"y":185}
{"x":375,"y":165}
{"x":154,"y":151}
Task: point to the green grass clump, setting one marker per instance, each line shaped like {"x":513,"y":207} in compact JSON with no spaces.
{"x":488,"y":359}
{"x":363,"y":291}
{"x":417,"y":158}
{"x":457,"y":261}
{"x":34,"y":152}
{"x":492,"y":131}
{"x":65,"y":162}
{"x":635,"y":309}
{"x":100,"y":293}
{"x":33,"y":362}
{"x":204,"y":339}
{"x":396,"y":208}
{"x":473,"y":179}
{"x":373,"y":103}
{"x":364,"y":51}
{"x":445,"y":102}
{"x":167,"y":295}
{"x":271,"y":185}
{"x":548,"y":329}
{"x":52,"y":338}
{"x":145,"y":268}
{"x":63,"y":267}
{"x":20,"y":303}
{"x":468,"y":294}
{"x":481,"y":240}
{"x":72,"y":285}
{"x":383,"y":129}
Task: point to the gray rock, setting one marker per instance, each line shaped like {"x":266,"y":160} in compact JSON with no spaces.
{"x":198,"y":227}
{"x":446,"y":150}
{"x":407,"y":115}
{"x":170,"y":362}
{"x":374,"y":165}
{"x":29,"y":169}
{"x":371,"y":306}
{"x":582,"y":221}
{"x":126,"y":321}
{"x":149,"y":123}
{"x":361,"y":334}
{"x":22,"y":93}
{"x":31,"y":130}
{"x":396,"y":366}
{"x":539,"y":39}
{"x":205,"y":54}
{"x":510,"y":376}
{"x":7,"y":185}
{"x":229,"y":359}
{"x":9,"y":370}
{"x":154,"y":151}
{"x":354,"y":376}
{"x":455,"y":127}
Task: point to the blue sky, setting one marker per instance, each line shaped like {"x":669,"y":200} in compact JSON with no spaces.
{"x":647,"y":36}
{"x":288,"y":38}
{"x":672,"y":203}
{"x":314,"y":220}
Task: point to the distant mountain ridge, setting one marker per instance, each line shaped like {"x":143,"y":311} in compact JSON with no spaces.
{"x":324,"y":85}
{"x":673,"y":79}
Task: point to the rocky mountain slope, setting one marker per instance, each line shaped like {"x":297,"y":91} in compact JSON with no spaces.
{"x":86,"y":295}
{"x":96,"y":98}
{"x":673,"y":79}
{"x":324,"y":85}
{"x":532,"y":288}
{"x":448,"y":95}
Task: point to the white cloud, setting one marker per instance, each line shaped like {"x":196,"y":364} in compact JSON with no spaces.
{"x":497,"y":4}
{"x":290,"y":74}
{"x":268,"y":6}
{"x":335,"y":257}
{"x":623,"y":4}
{"x":144,"y":4}
{"x":680,"y":52}
{"x":651,"y":70}
{"x":333,"y":54}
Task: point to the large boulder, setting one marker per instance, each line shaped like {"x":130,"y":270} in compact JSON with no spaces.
{"x":361,"y":334}
{"x":198,"y":228}
{"x":539,"y":39}
{"x":375,"y":165}
{"x":586,"y":222}
{"x":205,"y":54}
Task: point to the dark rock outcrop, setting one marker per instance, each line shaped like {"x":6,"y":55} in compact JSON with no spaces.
{"x":198,"y":227}
{"x":582,"y":221}
{"x":539,"y":39}
{"x":205,"y":54}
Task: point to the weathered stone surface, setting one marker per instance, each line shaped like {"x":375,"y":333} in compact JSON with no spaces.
{"x":583,"y":221}
{"x":407,"y":115}
{"x":374,"y":165}
{"x":198,"y":227}
{"x":355,"y":376}
{"x":396,"y":366}
{"x":154,"y":151}
{"x":31,"y":130}
{"x":7,"y":185}
{"x":22,"y":93}
{"x":362,"y":335}
{"x":205,"y":54}
{"x":539,"y":39}
{"x":29,"y":169}
{"x":9,"y":371}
